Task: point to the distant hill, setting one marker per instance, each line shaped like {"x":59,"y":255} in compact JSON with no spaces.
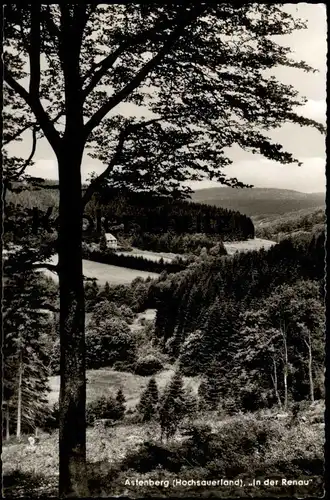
{"x":259,"y":201}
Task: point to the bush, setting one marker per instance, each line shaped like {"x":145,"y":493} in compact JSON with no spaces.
{"x":148,"y":365}
{"x":151,"y":456}
{"x":109,"y":342}
{"x":104,"y":408}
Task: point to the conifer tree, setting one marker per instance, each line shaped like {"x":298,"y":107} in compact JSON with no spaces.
{"x":172,"y":406}
{"x":148,"y":404}
{"x":103,"y":242}
{"x":120,"y":403}
{"x":106,"y":290}
{"x":26,"y":351}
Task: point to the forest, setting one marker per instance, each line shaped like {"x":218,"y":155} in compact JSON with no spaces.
{"x":248,"y":329}
{"x":141,"y":214}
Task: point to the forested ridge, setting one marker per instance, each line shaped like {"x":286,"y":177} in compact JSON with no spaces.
{"x":260,"y":201}
{"x":143,"y":213}
{"x":201,"y":311}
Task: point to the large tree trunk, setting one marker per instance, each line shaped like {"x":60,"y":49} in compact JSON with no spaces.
{"x":19,"y":395}
{"x":72,"y":434}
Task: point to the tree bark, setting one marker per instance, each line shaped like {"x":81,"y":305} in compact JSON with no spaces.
{"x":72,"y":433}
{"x":19,"y":396}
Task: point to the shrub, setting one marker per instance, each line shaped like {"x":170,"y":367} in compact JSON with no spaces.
{"x":151,"y":456}
{"x":148,"y":365}
{"x":111,"y":341}
{"x":103,"y":408}
{"x":231,"y":406}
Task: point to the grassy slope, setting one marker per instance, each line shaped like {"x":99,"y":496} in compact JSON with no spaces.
{"x":107,"y":448}
{"x":115,"y":275}
{"x":245,"y":246}
{"x":106,"y":381}
{"x":259,"y":201}
{"x":307,"y":220}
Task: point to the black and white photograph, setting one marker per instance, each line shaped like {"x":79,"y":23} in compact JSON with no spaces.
{"x":163,"y":250}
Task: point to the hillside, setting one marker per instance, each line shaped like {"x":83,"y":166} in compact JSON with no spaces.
{"x":259,"y":201}
{"x":142,"y":213}
{"x":290,"y":224}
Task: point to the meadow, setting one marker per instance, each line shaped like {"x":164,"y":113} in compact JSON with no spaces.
{"x":106,"y":273}
{"x":248,"y":245}
{"x":104,"y":382}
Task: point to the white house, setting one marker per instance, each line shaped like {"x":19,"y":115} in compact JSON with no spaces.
{"x":111,"y":240}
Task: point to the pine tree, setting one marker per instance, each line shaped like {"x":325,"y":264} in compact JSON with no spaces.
{"x":147,"y":406}
{"x":103,"y":243}
{"x":106,"y":290}
{"x":120,"y":403}
{"x":172,"y":406}
{"x":26,"y":350}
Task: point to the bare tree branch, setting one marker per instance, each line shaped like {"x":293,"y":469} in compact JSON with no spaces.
{"x":104,"y":66}
{"x":96,"y":182}
{"x":37,"y":108}
{"x":46,"y":16}
{"x":29,"y":125}
{"x":18,"y":133}
{"x":29,"y":159}
{"x":51,"y":267}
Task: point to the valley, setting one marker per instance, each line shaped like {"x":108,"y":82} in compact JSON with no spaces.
{"x":188,"y":340}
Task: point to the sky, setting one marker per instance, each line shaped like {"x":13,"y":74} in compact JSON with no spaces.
{"x":307,"y":144}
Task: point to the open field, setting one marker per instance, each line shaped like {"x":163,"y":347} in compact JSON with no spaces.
{"x":115,"y":275}
{"x":248,"y":245}
{"x":231,"y":247}
{"x":104,"y":381}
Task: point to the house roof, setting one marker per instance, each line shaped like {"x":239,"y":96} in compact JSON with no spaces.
{"x":110,"y":237}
